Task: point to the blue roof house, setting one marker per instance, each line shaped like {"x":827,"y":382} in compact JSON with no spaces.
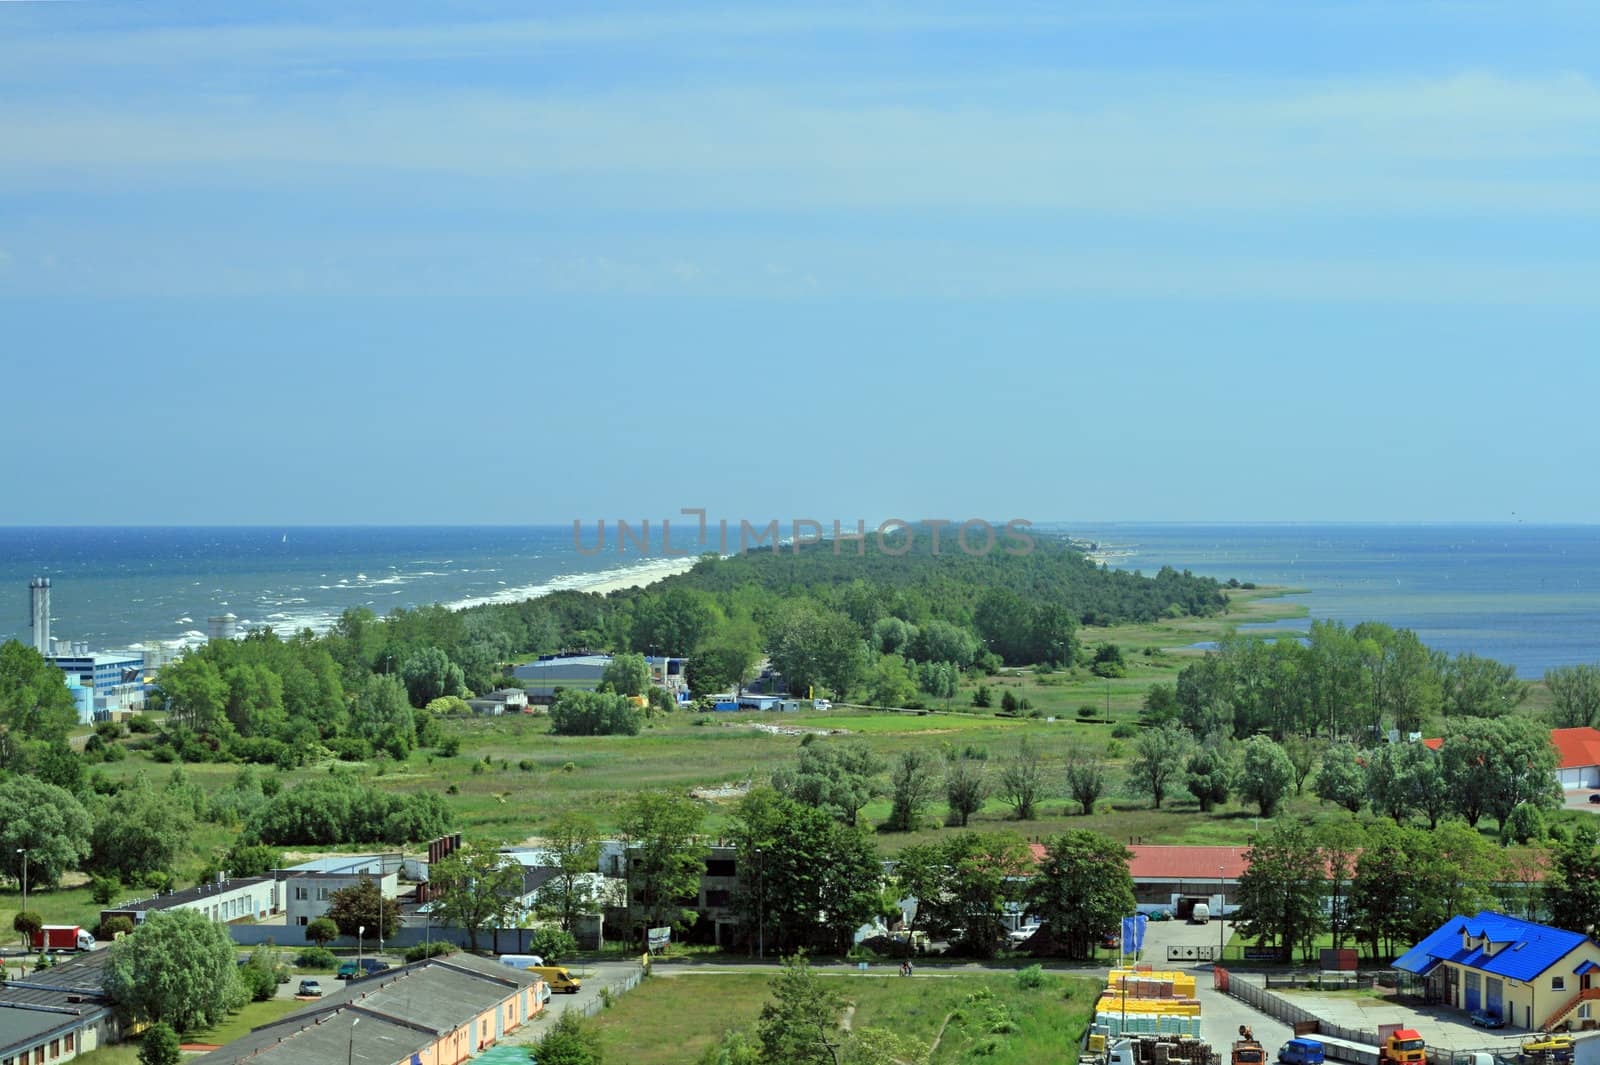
{"x":1530,"y":975}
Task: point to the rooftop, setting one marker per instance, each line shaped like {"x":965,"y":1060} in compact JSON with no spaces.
{"x":349,"y":865}
{"x":192,"y":894}
{"x":1495,"y":943}
{"x":1154,"y":862}
{"x":1576,"y":747}
{"x":381,"y":1019}
{"x":61,"y":996}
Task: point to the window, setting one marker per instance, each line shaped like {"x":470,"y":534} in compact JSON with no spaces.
{"x":1583,"y":1012}
{"x":1558,"y":983}
{"x":301,"y":894}
{"x":67,"y":1042}
{"x":55,"y":1049}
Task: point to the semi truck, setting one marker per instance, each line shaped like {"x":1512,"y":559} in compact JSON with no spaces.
{"x":62,"y":937}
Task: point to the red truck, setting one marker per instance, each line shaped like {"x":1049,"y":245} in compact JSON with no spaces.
{"x":62,"y":937}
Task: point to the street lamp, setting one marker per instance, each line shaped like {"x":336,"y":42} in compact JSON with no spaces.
{"x":350,"y":1055}
{"x":761,"y":899}
{"x":24,"y":852}
{"x":361,"y":932}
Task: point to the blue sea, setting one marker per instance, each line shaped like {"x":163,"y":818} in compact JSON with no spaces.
{"x":121,"y":587}
{"x":1528,"y":595}
{"x":1524,"y":594}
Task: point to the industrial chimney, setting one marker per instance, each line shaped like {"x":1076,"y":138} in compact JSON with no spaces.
{"x":39,"y":619}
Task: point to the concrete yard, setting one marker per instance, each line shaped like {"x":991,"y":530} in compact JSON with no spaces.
{"x":1440,"y":1027}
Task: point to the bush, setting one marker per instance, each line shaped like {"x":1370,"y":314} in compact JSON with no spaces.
{"x":322,"y":931}
{"x":104,"y":889}
{"x":1031,"y":978}
{"x":140,"y":723}
{"x":318,"y":958}
{"x":160,"y":1043}
{"x":449,"y":747}
{"x":112,"y":925}
{"x":576,"y":713}
{"x":259,"y":982}
{"x":572,"y":1040}
{"x":1124,"y":731}
{"x":1086,"y":710}
{"x":424,"y":951}
{"x":552,"y":944}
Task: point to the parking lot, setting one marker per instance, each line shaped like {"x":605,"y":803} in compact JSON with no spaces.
{"x":1160,"y":935}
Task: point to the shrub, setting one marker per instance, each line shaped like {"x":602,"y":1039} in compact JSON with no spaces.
{"x":449,"y":747}
{"x":112,"y":925}
{"x":1086,"y":710}
{"x":552,"y":944}
{"x":160,"y":1044}
{"x":1124,"y":731}
{"x":577,"y":713}
{"x":322,"y":931}
{"x":423,"y":951}
{"x":526,"y":765}
{"x":140,"y":723}
{"x":318,"y":958}
{"x":1031,"y":978}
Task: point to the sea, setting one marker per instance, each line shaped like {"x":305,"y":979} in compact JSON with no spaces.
{"x":1528,"y":595}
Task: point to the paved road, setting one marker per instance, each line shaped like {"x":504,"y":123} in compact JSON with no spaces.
{"x":1159,"y":935}
{"x":593,"y":976}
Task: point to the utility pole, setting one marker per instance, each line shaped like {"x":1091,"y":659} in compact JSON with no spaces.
{"x":1222,"y":911}
{"x":761,"y":907}
{"x":361,"y":932}
{"x":24,"y":852}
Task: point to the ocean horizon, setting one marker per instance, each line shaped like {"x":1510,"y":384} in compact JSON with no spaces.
{"x":1525,"y":594}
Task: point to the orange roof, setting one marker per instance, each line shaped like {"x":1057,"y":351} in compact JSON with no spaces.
{"x":1576,"y":746}
{"x":1433,"y":744}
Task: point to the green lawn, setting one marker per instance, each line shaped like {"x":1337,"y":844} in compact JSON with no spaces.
{"x":253,"y":1015}
{"x":671,"y":1020}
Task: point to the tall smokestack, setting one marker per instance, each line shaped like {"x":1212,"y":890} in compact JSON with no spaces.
{"x":39,"y":619}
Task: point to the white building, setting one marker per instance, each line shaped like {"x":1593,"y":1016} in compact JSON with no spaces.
{"x":308,"y":887}
{"x":244,"y":898}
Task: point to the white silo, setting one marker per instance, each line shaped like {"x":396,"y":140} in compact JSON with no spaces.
{"x":221,"y":628}
{"x":39,"y":618}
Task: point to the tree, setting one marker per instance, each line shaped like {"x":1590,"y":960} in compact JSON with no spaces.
{"x":1158,"y":759}
{"x":177,"y":967}
{"x":879,"y":1046}
{"x":890,"y":683}
{"x":665,"y":856}
{"x":1160,"y":706}
{"x":45,"y":821}
{"x":1341,"y":779}
{"x":474,"y":888}
{"x":194,"y":695}
{"x":1380,"y":892}
{"x":1492,"y":764}
{"x":726,"y":660}
{"x":383,"y":716}
{"x":814,"y":647}
{"x":1264,"y":773}
{"x":571,"y":1040}
{"x":809,"y":881}
{"x":573,"y":843}
{"x":428,"y":674}
{"x":322,"y":931}
{"x":1572,"y":887}
{"x":138,"y":830}
{"x":801,"y":1021}
{"x":912,"y":786}
{"x":1085,"y":778}
{"x":581,"y":713}
{"x":250,"y":859}
{"x":1574,"y":695}
{"x":1479,"y":687}
{"x":1082,"y":889}
{"x":940,"y":641}
{"x":552,"y":944}
{"x":965,"y":884}
{"x":965,"y":788}
{"x":1208,"y":775}
{"x":841,"y":777}
{"x":1021,"y":781}
{"x":160,"y":1046}
{"x":27,"y":924}
{"x":1389,"y":782}
{"x":1280,"y":891}
{"x":1303,"y":756}
{"x":627,"y":674}
{"x":672,"y":622}
{"x":362,"y":905}
{"x":1339,"y":842}
{"x":36,"y":706}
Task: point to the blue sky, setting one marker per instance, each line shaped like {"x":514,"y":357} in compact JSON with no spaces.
{"x":475,"y":263}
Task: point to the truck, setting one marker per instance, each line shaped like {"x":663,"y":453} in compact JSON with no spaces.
{"x":1402,"y":1046}
{"x":1149,"y":1049}
{"x":1247,"y":1049}
{"x":557,"y":977}
{"x":62,"y":937}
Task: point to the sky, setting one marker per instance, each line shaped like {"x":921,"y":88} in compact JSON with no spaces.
{"x":320,"y":264}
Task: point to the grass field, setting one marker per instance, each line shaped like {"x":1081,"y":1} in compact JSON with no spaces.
{"x":671,"y":1020}
{"x":512,"y":776}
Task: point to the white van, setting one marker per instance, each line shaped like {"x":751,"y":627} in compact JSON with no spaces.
{"x":1201,"y":914}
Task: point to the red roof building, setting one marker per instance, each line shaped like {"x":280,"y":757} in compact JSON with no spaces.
{"x":1577,"y":756}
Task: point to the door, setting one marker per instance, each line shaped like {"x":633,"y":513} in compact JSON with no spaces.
{"x":1472,"y":992}
{"x":1494,"y":991}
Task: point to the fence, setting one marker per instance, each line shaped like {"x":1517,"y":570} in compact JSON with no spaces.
{"x":598,"y":1003}
{"x":1281,"y":1009}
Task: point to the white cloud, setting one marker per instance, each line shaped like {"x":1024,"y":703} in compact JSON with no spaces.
{"x":1455,"y":144}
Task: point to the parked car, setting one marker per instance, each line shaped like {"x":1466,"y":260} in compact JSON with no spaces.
{"x":1485,"y":1019}
{"x":348,"y":971}
{"x":1594,"y":796}
{"x":310,"y":988}
{"x":373,"y":965}
{"x":1161,"y":915}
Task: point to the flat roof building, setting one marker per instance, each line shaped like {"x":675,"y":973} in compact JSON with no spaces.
{"x":57,"y":1014}
{"x":251,"y":897}
{"x":307,"y":889}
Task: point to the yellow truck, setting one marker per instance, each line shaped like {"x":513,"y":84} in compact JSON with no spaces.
{"x":557,"y":977}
